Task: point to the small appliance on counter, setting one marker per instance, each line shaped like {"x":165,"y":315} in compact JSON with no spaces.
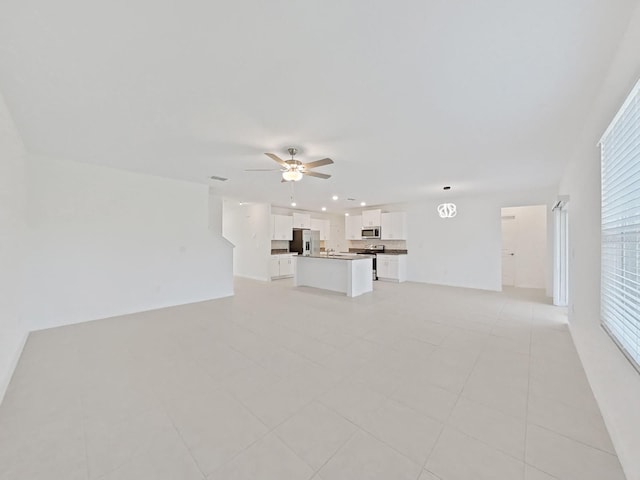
{"x":305,"y":242}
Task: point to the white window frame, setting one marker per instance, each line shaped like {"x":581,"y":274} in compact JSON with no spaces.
{"x":620,"y":228}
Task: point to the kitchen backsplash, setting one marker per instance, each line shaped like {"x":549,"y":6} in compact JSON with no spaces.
{"x":279,"y":244}
{"x":389,"y":244}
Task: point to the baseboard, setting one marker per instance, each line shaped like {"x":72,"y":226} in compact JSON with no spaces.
{"x":250,"y":277}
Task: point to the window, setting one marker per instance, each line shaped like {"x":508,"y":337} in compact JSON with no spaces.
{"x":620,"y":284}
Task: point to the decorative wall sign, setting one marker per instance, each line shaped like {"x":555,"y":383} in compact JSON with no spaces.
{"x":447,"y":210}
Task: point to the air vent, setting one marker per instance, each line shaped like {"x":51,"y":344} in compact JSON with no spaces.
{"x":351,"y":199}
{"x":220,"y":179}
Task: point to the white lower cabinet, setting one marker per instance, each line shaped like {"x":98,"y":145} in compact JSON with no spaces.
{"x":282,"y":266}
{"x":391,"y":267}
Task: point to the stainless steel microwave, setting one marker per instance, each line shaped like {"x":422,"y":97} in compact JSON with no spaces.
{"x":371,"y":232}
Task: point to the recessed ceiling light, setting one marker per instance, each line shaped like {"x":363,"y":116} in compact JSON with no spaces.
{"x":346,"y":214}
{"x":293,"y":204}
{"x":335,"y":197}
{"x":241,"y":204}
{"x":363,"y":204}
{"x":324,"y":209}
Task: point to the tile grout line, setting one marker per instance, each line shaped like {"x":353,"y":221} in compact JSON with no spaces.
{"x":467,"y":435}
{"x":362,"y":429}
{"x":316,"y":471}
{"x":445,"y":424}
{"x":195,"y":462}
{"x":526,"y":422}
{"x":86,"y":445}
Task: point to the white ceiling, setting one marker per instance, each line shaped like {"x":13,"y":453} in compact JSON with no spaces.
{"x":405,"y":96}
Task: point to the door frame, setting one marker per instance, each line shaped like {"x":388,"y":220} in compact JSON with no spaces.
{"x":561,"y":252}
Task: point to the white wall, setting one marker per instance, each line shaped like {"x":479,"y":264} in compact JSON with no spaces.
{"x":105,"y":242}
{"x":464,"y":251}
{"x":615,"y":383}
{"x":248,"y":228}
{"x":13,"y":327}
{"x":531,"y":245}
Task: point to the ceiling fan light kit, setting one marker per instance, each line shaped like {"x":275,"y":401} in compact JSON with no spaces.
{"x":292,"y":175}
{"x":293,"y":170}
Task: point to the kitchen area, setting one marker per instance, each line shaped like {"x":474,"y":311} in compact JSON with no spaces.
{"x":371,"y":247}
{"x":317,"y":248}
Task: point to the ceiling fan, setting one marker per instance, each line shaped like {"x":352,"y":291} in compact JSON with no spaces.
{"x":293,"y":170}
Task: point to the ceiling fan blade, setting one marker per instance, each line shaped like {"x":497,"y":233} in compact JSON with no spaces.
{"x":261,"y":169}
{"x":317,"y":174}
{"x":318,"y":163}
{"x":277,"y":159}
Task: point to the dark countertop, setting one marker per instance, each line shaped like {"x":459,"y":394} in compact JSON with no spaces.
{"x":338,"y":257}
{"x":386,"y":252}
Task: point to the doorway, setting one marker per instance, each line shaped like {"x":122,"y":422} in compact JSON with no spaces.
{"x":561,"y":252}
{"x":524,"y":246}
{"x":509,"y":240}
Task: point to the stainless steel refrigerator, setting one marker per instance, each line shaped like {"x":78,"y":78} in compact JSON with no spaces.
{"x":305,"y":242}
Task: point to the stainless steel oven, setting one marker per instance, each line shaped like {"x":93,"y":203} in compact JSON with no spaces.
{"x":372,"y":250}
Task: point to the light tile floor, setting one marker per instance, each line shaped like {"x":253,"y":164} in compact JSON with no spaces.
{"x":411,"y":382}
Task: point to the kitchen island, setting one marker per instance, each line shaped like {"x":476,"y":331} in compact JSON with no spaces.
{"x":348,"y":274}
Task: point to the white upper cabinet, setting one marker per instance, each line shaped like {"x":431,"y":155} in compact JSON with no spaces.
{"x":371,"y":218}
{"x":353,"y":227}
{"x":301,"y":220}
{"x":281,"y":227}
{"x":393,"y":226}
{"x":323,"y":226}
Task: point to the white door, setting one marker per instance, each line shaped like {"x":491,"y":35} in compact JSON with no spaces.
{"x":509,"y":239}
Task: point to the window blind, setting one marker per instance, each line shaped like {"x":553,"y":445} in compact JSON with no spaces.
{"x":620,"y":282}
